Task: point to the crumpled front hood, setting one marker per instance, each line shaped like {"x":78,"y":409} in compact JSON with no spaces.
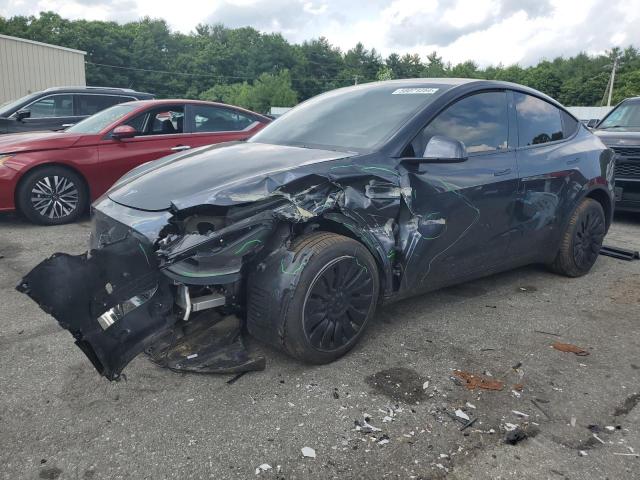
{"x":619,"y":138}
{"x":33,"y":141}
{"x":223,"y":174}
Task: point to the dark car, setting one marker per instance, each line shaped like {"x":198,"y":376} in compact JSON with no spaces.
{"x":52,"y":177}
{"x":60,"y":107}
{"x":620,"y":131}
{"x":357,"y":197}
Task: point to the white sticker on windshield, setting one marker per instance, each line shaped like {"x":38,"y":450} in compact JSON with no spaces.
{"x":414,"y":91}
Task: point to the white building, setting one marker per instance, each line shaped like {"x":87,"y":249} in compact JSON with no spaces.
{"x":27,"y":66}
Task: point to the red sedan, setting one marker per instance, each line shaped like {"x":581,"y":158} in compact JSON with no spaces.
{"x":51,"y":177}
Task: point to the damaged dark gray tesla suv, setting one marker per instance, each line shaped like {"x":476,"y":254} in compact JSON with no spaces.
{"x":357,"y":197}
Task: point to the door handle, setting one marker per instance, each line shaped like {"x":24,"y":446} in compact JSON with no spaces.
{"x":573,"y":161}
{"x":179,"y":148}
{"x":499,"y":173}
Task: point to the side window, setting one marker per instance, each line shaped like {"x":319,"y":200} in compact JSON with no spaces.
{"x":90,"y":104}
{"x":165,"y":120}
{"x":215,"y":119}
{"x":479,"y":121}
{"x":538,"y":121}
{"x":52,"y":106}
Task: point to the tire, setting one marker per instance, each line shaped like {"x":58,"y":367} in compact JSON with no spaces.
{"x":330,"y":302}
{"x":52,"y":195}
{"x":581,"y":241}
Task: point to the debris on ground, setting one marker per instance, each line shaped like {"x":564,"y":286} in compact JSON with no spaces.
{"x":520,"y":433}
{"x":619,"y":253}
{"x":520,"y":414}
{"x":473,"y":381}
{"x":365,"y":426}
{"x":263,"y":468}
{"x":308,"y":452}
{"x":383,"y":440}
{"x":572,"y":422}
{"x":459,"y":413}
{"x":583,"y":453}
{"x":569,"y":348}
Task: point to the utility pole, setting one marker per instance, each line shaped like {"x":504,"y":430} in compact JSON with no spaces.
{"x":613,"y":79}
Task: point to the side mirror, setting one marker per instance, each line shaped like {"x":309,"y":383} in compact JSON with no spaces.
{"x":442,"y":149}
{"x":123,"y":131}
{"x":592,"y":123}
{"x":22,"y":114}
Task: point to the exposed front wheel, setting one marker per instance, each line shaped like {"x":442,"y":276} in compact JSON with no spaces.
{"x":52,"y":196}
{"x":581,"y":240}
{"x":332,"y":299}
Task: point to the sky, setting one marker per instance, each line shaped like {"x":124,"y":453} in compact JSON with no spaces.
{"x":488,"y":32}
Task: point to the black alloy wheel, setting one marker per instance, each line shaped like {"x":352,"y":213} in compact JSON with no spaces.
{"x":337,"y":303}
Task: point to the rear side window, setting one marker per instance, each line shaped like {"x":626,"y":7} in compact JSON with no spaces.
{"x":52,"y":106}
{"x":214,"y":119}
{"x":479,"y":121}
{"x":90,"y":104}
{"x":538,"y":121}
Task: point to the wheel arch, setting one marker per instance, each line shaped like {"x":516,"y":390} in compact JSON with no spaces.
{"x":601,"y":196}
{"x":342,"y":225}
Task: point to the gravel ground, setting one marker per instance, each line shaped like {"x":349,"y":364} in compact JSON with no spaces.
{"x":59,"y":419}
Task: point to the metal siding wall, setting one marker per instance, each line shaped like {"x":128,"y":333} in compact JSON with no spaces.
{"x":27,"y":67}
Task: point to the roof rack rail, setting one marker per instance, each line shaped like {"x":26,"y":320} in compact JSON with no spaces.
{"x":83,"y":87}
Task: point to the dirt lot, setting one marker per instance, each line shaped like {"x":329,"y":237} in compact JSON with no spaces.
{"x":59,"y":419}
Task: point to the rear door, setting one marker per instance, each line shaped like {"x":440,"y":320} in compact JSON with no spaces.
{"x":87,"y":104}
{"x":462,"y":212}
{"x":160,"y":133}
{"x":211,"y":124}
{"x":548,"y":165}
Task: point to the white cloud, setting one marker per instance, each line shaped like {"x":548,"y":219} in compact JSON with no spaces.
{"x":486,"y":31}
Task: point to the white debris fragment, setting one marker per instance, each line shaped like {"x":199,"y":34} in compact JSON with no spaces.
{"x":425,"y":385}
{"x":308,"y":452}
{"x":573,"y":421}
{"x":444,"y":455}
{"x":386,"y":419}
{"x":193,"y":355}
{"x":582,"y":453}
{"x":461,"y":414}
{"x":384,"y":441}
{"x":516,"y":393}
{"x":470,"y":405}
{"x":510,"y":426}
{"x":520,"y":414}
{"x":291,"y":404}
{"x":599,"y":439}
{"x":263,"y":468}
{"x":190,"y":399}
{"x":610,"y":428}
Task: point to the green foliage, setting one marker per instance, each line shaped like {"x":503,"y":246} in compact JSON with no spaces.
{"x":257,"y":70}
{"x":268,"y":90}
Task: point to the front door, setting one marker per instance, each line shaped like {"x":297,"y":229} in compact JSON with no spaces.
{"x":161,"y":133}
{"x":461,"y":213}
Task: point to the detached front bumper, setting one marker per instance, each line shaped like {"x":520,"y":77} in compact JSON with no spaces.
{"x":114,"y":300}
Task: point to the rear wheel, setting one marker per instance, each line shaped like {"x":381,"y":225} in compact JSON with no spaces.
{"x":581,"y":241}
{"x":52,"y":195}
{"x":332,"y":299}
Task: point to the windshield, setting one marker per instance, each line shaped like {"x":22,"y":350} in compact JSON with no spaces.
{"x":355,"y":118}
{"x":7,"y":108}
{"x":625,"y":115}
{"x":98,"y":122}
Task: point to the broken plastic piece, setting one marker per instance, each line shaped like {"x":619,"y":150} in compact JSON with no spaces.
{"x":478,"y":381}
{"x":308,"y":452}
{"x":263,"y":468}
{"x":568,"y":347}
